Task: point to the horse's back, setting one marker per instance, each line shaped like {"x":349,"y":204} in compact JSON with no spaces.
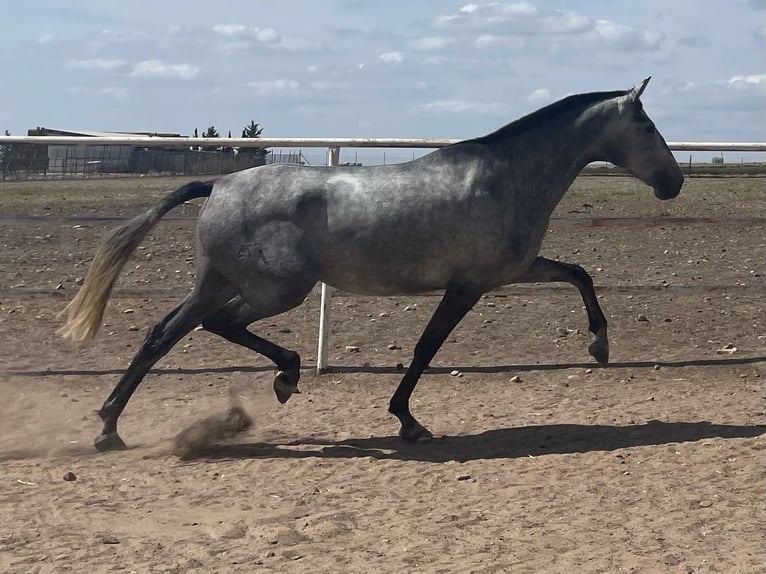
{"x":379,"y":230}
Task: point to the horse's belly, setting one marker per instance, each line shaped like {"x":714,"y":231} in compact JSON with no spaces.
{"x":363,"y":279}
{"x":422,"y":268}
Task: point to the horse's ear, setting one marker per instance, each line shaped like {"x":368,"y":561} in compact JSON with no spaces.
{"x":635,"y":93}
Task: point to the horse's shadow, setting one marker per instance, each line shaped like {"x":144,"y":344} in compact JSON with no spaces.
{"x":398,"y":370}
{"x":527,"y":441}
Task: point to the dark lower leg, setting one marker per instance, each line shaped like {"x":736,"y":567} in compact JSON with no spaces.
{"x":135,"y":372}
{"x":545,"y":270}
{"x":288,"y":362}
{"x":452,"y":308}
{"x":158,"y":342}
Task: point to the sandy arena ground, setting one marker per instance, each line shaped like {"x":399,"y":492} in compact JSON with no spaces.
{"x":544,"y":462}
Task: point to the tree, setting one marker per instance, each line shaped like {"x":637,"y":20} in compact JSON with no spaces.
{"x":253,"y":130}
{"x":210,"y":132}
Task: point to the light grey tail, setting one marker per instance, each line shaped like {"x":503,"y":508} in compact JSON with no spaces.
{"x":85,"y":311}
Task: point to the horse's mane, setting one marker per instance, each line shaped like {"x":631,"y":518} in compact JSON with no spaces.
{"x":563,"y":106}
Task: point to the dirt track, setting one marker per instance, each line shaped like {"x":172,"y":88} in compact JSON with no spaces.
{"x":652,"y":465}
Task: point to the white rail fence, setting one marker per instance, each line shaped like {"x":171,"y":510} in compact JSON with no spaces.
{"x":333,"y":146}
{"x":151,"y":141}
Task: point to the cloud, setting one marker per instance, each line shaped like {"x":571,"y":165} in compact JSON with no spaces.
{"x":449,"y":106}
{"x":490,"y":41}
{"x":677,"y":88}
{"x":494,"y":14}
{"x":695,"y":42}
{"x":230,"y":29}
{"x":96,"y":64}
{"x":432,"y":43}
{"x":520,"y":8}
{"x":507,"y":24}
{"x":392,"y":57}
{"x":565,"y":22}
{"x":275,"y":87}
{"x":720,"y":91}
{"x":738,"y":93}
{"x":455,"y":106}
{"x":158,"y":69}
{"x":624,"y":38}
{"x":746,"y":82}
{"x":538,"y":96}
{"x":270,"y":38}
{"x":521,"y":18}
{"x":297,"y":45}
{"x":266,"y":35}
{"x":241,"y":38}
{"x":122,"y":37}
{"x":45,"y":38}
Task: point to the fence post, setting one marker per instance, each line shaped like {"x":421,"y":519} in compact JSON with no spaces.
{"x":333,"y":158}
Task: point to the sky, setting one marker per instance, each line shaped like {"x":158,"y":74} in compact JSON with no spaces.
{"x":367,"y":68}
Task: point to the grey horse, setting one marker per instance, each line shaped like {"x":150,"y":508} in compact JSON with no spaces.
{"x":466,"y":219}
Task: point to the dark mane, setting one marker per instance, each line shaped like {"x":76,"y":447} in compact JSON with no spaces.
{"x":568,"y":104}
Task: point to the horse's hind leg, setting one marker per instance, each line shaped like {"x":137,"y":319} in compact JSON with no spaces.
{"x":545,"y":270}
{"x":207,"y":296}
{"x":231,"y":323}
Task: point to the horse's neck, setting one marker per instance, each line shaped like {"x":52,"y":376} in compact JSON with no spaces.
{"x":556,"y":151}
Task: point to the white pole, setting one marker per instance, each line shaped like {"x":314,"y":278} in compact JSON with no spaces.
{"x":333,"y":158}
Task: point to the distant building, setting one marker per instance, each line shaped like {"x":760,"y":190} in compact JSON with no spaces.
{"x":67,"y":160}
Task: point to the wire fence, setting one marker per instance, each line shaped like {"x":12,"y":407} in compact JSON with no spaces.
{"x":27,"y":161}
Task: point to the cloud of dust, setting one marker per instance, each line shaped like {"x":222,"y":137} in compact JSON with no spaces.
{"x":36,"y":422}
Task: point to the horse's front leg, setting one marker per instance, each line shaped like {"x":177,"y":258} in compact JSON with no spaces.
{"x":452,"y":308}
{"x":545,"y":270}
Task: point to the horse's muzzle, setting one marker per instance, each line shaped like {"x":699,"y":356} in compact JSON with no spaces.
{"x":668,"y":185}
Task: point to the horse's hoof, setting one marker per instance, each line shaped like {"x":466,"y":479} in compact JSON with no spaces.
{"x":107,"y":442}
{"x":284,"y":388}
{"x":415,"y":433}
{"x":600,"y":351}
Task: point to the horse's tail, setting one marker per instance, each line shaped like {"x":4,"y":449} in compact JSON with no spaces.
{"x":85,"y":311}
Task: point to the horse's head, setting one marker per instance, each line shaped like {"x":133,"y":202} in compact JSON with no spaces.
{"x":633,"y":143}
